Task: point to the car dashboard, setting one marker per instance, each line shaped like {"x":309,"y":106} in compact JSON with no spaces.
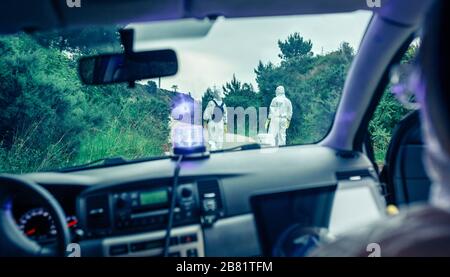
{"x":123,"y":210}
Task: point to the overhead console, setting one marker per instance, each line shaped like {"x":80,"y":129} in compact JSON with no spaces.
{"x":137,"y":213}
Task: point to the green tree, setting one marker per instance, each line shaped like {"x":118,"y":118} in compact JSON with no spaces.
{"x":241,"y":95}
{"x":87,"y":40}
{"x":152,"y":88}
{"x":294,"y":46}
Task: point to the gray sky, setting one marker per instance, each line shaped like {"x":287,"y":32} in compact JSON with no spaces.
{"x":235,"y":46}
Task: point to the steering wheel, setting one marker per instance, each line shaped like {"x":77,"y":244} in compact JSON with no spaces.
{"x":13,"y":242}
{"x":300,"y":241}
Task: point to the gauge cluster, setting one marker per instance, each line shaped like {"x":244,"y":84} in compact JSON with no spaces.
{"x":38,"y":225}
{"x":36,"y":222}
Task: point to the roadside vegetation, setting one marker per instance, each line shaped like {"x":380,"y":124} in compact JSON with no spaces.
{"x":50,"y":120}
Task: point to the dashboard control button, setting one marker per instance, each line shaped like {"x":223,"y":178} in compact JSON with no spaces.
{"x":134,"y":203}
{"x":177,"y":216}
{"x":137,"y":246}
{"x":192,"y":252}
{"x":119,"y":249}
{"x":175,"y":254}
{"x":174,"y":241}
{"x":186,"y":193}
{"x":161,"y":219}
{"x":188,"y":238}
{"x":121,"y":203}
{"x":209,"y":205}
{"x":188,"y":214}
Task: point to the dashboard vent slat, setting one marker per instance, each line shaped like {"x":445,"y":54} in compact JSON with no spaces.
{"x":353,"y":174}
{"x":97,"y":207}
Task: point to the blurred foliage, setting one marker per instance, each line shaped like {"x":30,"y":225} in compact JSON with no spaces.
{"x":88,"y":40}
{"x":388,"y":113}
{"x":50,"y":120}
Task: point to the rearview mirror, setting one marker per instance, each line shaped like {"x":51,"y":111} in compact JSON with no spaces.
{"x":130,"y":67}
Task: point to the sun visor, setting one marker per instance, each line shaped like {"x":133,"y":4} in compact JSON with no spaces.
{"x":173,"y":29}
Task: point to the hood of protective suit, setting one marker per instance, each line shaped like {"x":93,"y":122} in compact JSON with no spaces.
{"x":280,"y":91}
{"x":217,"y":94}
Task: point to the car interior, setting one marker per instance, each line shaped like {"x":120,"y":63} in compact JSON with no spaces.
{"x":246,"y":203}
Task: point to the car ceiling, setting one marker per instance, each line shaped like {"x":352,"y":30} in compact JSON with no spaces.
{"x":46,"y":14}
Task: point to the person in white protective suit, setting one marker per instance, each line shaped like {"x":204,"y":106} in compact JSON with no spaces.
{"x":215,"y":116}
{"x":280,"y":115}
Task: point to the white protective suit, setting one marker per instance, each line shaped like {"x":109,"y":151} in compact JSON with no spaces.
{"x":215,"y":115}
{"x":280,"y":115}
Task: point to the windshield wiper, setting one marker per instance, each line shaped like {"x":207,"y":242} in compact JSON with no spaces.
{"x":106,"y":162}
{"x":113,"y":161}
{"x":249,"y":146}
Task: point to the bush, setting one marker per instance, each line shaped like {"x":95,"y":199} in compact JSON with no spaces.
{"x":49,"y":119}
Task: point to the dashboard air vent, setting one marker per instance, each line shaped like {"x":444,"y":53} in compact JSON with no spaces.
{"x":211,"y":205}
{"x":354,"y":175}
{"x":209,"y":189}
{"x":97,"y":209}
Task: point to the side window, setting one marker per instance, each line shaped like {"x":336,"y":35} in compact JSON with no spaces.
{"x":389,"y":113}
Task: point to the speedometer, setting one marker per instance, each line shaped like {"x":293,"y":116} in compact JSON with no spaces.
{"x":38,"y":225}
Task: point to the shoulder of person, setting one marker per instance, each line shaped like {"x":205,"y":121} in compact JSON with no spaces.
{"x":421,"y":230}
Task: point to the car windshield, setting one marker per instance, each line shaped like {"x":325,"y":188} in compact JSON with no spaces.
{"x":270,"y":81}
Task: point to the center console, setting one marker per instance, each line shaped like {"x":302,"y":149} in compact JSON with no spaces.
{"x":186,"y":241}
{"x":149,"y":208}
{"x":131,"y":219}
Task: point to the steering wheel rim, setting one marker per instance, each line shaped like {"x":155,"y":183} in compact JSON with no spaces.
{"x":14,"y":242}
